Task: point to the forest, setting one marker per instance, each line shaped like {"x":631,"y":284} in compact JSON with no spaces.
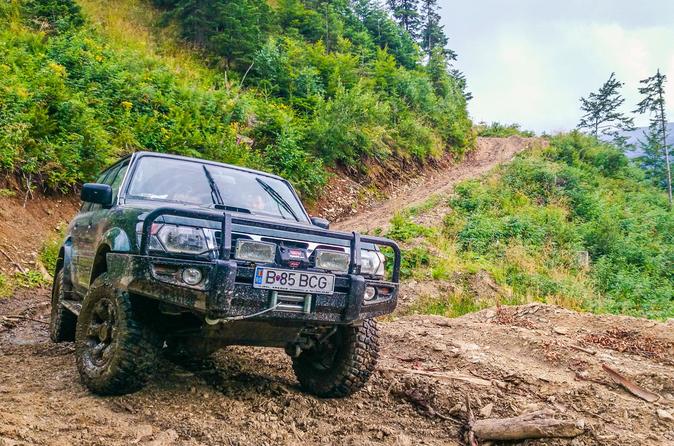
{"x":294,"y":87}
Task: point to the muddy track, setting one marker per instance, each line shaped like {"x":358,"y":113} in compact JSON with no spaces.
{"x":506,"y":364}
{"x":489,"y":153}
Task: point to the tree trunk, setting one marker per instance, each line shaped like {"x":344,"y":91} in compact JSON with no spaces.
{"x":533,"y":425}
{"x":664,"y":146}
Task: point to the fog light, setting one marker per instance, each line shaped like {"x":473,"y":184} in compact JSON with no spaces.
{"x":191,"y":276}
{"x":370,"y":293}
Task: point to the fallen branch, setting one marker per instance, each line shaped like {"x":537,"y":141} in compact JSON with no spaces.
{"x":533,"y":425}
{"x":472,"y":441}
{"x":584,"y":350}
{"x":12,"y":261}
{"x":415,"y":397}
{"x":26,"y":318}
{"x":633,"y":388}
{"x":440,"y":375}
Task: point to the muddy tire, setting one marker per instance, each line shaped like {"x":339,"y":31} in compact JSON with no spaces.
{"x":115,"y":352}
{"x":62,"y":322}
{"x":343,"y":364}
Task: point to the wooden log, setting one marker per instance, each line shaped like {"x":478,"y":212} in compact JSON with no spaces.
{"x":533,"y":425}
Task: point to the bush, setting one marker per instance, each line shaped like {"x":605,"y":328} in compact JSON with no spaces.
{"x":496,"y":129}
{"x":577,"y":195}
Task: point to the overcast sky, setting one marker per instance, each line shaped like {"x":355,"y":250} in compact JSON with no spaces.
{"x":530,"y":61}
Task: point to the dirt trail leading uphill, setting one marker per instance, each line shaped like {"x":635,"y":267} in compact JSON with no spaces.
{"x":489,"y":153}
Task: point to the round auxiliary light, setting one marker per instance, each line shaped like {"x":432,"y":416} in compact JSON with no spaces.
{"x":192,"y":276}
{"x":370,"y":293}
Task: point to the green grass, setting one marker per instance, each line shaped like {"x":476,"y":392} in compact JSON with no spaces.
{"x":30,"y":279}
{"x":49,"y":251}
{"x":523,"y":228}
{"x":6,"y":288}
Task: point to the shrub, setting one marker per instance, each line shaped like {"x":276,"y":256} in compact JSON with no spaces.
{"x":496,"y":129}
{"x":528,"y":223}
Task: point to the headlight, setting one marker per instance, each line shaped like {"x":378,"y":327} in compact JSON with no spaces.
{"x":372,"y":263}
{"x":252,"y":251}
{"x":332,"y":260}
{"x":185,"y":239}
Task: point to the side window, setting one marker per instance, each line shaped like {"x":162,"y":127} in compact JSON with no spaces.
{"x":117,"y":182}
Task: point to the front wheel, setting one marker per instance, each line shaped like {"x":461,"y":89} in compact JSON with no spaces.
{"x":115,"y":352}
{"x":342,"y":364}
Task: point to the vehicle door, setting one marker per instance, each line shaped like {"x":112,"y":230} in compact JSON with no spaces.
{"x":98,"y":222}
{"x":78,"y":236}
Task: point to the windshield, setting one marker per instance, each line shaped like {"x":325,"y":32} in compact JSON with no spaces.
{"x":188,"y":182}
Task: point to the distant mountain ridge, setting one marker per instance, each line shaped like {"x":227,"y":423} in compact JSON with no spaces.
{"x":638,"y":135}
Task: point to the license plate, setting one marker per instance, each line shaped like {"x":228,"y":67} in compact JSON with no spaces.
{"x":298,"y":281}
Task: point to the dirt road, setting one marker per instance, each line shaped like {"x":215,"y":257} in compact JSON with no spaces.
{"x":505,"y":362}
{"x":489,"y":153}
{"x":518,"y":360}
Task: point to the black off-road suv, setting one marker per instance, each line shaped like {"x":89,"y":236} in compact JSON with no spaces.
{"x":183,"y":256}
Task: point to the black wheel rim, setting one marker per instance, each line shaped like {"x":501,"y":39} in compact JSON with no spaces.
{"x":323,"y":356}
{"x":101,"y":333}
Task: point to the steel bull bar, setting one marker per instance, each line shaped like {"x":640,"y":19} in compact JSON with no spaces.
{"x":224,"y":268}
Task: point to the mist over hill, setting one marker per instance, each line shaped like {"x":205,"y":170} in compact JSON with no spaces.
{"x":637,"y":136}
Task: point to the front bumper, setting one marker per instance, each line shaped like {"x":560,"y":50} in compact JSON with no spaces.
{"x":228,"y":291}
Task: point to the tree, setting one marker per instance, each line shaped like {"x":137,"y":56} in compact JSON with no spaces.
{"x":231,"y":29}
{"x":654,"y":104}
{"x":652,"y":161}
{"x":602,"y":115}
{"x":386,"y":33}
{"x":406,"y":12}
{"x":432,"y":33}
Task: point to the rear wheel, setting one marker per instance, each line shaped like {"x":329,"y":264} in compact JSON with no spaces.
{"x":342,"y":364}
{"x":115,"y":352}
{"x":62,"y":322}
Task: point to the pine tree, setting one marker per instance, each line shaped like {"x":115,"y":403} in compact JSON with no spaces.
{"x":406,"y":12}
{"x":386,"y":33}
{"x":652,"y":161}
{"x":232,"y":29}
{"x":432,"y":33}
{"x":654,"y":104}
{"x":602,"y":115}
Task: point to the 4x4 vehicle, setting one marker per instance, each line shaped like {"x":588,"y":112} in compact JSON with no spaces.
{"x":184,"y":256}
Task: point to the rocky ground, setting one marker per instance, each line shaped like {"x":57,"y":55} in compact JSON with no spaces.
{"x":503,"y":362}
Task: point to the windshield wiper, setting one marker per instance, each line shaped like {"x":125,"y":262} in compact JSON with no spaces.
{"x":216,"y":196}
{"x":277,"y":198}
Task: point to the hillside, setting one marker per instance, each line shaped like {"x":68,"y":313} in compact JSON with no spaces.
{"x":572,"y":224}
{"x":88,"y":82}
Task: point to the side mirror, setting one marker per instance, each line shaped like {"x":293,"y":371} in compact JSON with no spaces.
{"x":320,"y":222}
{"x":97,"y":194}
